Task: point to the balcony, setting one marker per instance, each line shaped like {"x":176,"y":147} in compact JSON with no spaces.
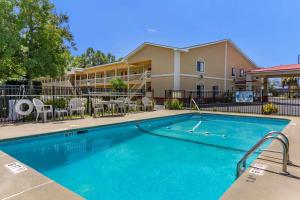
{"x":106,"y":80}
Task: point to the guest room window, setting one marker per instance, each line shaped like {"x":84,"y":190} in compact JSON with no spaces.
{"x":200,"y":66}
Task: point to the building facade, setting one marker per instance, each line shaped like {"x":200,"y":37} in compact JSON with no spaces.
{"x":214,"y":66}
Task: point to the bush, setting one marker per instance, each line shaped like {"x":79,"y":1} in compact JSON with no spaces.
{"x":60,"y":103}
{"x":269,"y":109}
{"x":174,"y":104}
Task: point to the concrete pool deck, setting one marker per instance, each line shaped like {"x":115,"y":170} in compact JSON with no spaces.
{"x":270,"y":184}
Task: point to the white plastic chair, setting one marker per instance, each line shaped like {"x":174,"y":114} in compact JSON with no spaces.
{"x":121,"y":105}
{"x":76,"y":105}
{"x":43,"y":109}
{"x":147,"y":103}
{"x":130,"y":104}
{"x":97,"y":106}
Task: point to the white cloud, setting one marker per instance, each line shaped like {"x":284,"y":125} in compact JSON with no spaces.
{"x":151,"y":30}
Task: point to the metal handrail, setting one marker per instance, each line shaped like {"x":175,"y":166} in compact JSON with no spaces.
{"x":241,"y":165}
{"x":286,"y":140}
{"x":193,"y":101}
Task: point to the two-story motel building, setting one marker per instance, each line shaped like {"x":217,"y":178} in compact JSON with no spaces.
{"x":219,"y":65}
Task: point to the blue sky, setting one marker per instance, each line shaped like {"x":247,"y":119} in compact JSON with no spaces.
{"x":268,"y":31}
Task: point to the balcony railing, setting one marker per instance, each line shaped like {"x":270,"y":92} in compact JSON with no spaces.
{"x":131,"y":77}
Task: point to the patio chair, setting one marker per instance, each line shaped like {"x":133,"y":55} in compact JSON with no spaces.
{"x":130,"y":104}
{"x":42,"y":109}
{"x":97,"y":107}
{"x":76,"y":105}
{"x":121,"y":105}
{"x":147,"y":103}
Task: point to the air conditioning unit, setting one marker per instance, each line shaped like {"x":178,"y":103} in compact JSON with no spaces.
{"x":201,"y":76}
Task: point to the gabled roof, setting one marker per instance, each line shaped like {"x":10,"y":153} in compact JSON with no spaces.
{"x":206,"y":44}
{"x":151,"y":44}
{"x":186,"y":49}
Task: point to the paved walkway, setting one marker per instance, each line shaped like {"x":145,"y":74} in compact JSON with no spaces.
{"x":22,"y":130}
{"x":270,"y":185}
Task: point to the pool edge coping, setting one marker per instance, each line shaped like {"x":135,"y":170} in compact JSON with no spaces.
{"x":133,"y":120}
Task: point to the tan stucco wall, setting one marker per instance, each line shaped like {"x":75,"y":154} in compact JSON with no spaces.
{"x":237,"y":60}
{"x":190,"y":83}
{"x":162,"y":59}
{"x":160,"y":84}
{"x":213,"y":55}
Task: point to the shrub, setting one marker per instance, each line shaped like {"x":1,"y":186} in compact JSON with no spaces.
{"x":57,"y":103}
{"x":174,"y":104}
{"x":269,"y":109}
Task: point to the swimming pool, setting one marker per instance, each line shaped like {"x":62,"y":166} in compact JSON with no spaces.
{"x":190,"y":156}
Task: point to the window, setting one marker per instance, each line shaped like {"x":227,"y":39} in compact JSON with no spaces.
{"x":200,"y":90}
{"x":215,"y":89}
{"x":242,"y":72}
{"x":233,"y":71}
{"x":200,"y":66}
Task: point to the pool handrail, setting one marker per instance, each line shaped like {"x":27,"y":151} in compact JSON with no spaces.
{"x":241,"y":165}
{"x":194,"y":102}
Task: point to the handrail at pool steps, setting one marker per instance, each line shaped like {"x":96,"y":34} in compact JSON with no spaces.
{"x":194,"y":102}
{"x":273,"y":135}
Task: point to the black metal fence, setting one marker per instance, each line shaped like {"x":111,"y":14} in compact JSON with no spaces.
{"x":277,"y":101}
{"x":58,"y":97}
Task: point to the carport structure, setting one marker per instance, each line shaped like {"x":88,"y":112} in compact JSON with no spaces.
{"x":292,"y":70}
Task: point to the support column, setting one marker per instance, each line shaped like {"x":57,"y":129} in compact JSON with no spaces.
{"x":176,"y":70}
{"x":265,"y":89}
{"x":225,"y":68}
{"x":249,"y":84}
{"x":95,"y":79}
{"x":128,"y":77}
{"x":104,"y":79}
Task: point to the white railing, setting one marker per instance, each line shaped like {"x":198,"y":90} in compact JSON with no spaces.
{"x":131,"y":77}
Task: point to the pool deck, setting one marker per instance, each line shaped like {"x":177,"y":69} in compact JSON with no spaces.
{"x":267,"y":184}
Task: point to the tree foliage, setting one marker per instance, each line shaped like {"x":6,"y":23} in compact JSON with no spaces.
{"x":118,"y":84}
{"x":92,"y":58}
{"x":289,"y":82}
{"x":34,"y":40}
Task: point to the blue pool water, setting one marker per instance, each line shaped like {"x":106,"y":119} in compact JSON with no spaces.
{"x":159,"y":159}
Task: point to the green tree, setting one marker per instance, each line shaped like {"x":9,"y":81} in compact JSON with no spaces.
{"x":118,"y":84}
{"x":91,"y":58}
{"x":9,"y":40}
{"x":42,"y":39}
{"x":289,"y":82}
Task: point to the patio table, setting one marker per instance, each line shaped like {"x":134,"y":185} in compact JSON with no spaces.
{"x":111,"y":103}
{"x":61,"y":113}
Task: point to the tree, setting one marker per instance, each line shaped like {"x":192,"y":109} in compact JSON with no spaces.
{"x":91,"y":58}
{"x":289,"y":82}
{"x":118,"y":84}
{"x":9,"y":40}
{"x":42,"y":39}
